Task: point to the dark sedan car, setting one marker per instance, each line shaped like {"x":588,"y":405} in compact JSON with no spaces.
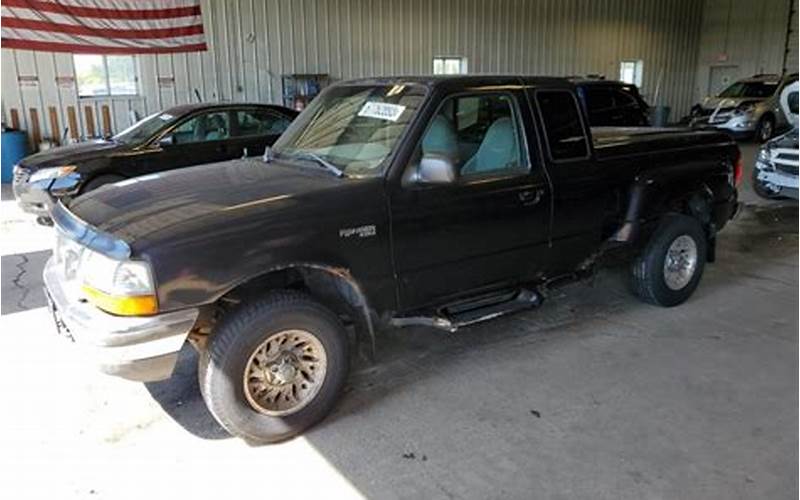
{"x":610,"y":103}
{"x":178,"y":137}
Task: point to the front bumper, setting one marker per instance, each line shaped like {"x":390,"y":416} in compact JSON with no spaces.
{"x":741,"y":126}
{"x":136,"y":348}
{"x":782,"y":183}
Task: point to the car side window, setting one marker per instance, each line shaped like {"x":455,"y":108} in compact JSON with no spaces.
{"x":204,"y":127}
{"x":599,"y":100}
{"x":566,"y":138}
{"x":479,"y":134}
{"x":623,"y":99}
{"x":260,"y":122}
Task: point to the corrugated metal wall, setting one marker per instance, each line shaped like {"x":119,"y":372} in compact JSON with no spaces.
{"x":792,"y":40}
{"x":747,"y":36}
{"x":252,"y":43}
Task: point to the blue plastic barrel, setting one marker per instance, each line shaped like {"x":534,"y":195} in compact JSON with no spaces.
{"x":15,"y":147}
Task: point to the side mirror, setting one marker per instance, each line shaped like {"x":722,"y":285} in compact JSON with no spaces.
{"x":436,"y":170}
{"x":166,"y":141}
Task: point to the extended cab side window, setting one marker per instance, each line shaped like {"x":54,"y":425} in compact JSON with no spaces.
{"x":566,"y":139}
{"x":479,"y":134}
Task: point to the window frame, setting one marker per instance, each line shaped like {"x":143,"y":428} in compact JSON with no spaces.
{"x":107,"y":77}
{"x":638,"y":71}
{"x":462,"y":180}
{"x":463,"y":65}
{"x":581,"y":118}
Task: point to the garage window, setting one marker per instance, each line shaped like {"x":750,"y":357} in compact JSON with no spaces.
{"x":631,"y":72}
{"x":449,"y":65}
{"x":99,"y":75}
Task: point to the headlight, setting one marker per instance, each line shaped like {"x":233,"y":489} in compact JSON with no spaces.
{"x":124,"y":287}
{"x":51,"y":173}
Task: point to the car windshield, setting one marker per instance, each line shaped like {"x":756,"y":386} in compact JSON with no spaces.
{"x":353,"y":128}
{"x":750,"y":89}
{"x":144,"y":128}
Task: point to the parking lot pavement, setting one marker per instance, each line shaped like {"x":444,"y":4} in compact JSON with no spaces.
{"x":594,"y":395}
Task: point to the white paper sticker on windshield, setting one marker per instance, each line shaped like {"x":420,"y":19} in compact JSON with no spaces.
{"x":382,"y":111}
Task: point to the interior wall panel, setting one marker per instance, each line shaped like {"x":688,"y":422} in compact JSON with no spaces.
{"x":252,"y":43}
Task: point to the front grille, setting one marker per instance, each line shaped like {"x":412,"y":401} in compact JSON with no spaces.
{"x":21,"y":174}
{"x":788,"y":169}
{"x":788,"y":157}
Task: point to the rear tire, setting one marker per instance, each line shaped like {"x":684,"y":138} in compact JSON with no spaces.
{"x":669,"y":269}
{"x":246,"y":363}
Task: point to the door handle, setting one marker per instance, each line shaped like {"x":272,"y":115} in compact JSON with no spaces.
{"x":531,"y":197}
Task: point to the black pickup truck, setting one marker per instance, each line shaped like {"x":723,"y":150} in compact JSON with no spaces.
{"x":389,"y":202}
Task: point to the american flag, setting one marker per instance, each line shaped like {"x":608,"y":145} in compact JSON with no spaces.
{"x":103,"y":26}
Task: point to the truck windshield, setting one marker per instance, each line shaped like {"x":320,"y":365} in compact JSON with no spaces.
{"x":750,"y":89}
{"x":352,"y":127}
{"x":144,"y":128}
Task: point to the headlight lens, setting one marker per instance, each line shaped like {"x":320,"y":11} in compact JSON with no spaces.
{"x":51,"y":173}
{"x":120,"y":287}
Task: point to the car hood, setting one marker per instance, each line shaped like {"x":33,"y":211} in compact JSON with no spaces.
{"x":727,"y":102}
{"x":789,"y":140}
{"x":74,"y":153}
{"x":199,"y":198}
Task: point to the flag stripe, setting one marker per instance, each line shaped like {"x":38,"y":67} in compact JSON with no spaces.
{"x":97,"y":22}
{"x":41,"y":36}
{"x":15,"y":43}
{"x":102,"y":32}
{"x":98,"y":12}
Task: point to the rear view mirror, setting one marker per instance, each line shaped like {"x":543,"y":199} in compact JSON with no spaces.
{"x":167,"y":140}
{"x":436,"y":170}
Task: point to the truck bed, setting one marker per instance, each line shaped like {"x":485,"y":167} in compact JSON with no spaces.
{"x":610,"y":142}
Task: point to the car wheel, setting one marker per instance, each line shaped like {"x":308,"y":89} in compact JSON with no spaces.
{"x":669,"y":269}
{"x":765,"y":129}
{"x":274,"y":367}
{"x":761,"y":189}
{"x":100,"y":180}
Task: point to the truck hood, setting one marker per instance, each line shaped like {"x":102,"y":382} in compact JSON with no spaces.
{"x":74,"y":153}
{"x":201,"y":197}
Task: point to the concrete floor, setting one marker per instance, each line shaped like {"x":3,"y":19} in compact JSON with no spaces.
{"x":594,"y":395}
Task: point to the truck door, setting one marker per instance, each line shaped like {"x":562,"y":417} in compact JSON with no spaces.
{"x":582,"y":194}
{"x":485,"y":228}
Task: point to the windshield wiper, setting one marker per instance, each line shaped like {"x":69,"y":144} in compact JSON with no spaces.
{"x":308,"y":155}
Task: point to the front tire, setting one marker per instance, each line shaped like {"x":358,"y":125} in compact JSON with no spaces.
{"x":274,"y":367}
{"x":669,"y":269}
{"x":765,"y":129}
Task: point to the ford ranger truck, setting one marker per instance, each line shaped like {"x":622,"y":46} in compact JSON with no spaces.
{"x":389,"y":202}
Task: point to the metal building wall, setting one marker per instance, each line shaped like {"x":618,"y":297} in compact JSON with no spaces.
{"x":254,"y":42}
{"x":747,"y":36}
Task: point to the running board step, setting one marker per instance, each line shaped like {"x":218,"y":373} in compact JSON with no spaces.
{"x":454,"y":317}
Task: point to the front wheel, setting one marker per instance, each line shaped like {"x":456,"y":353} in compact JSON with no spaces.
{"x":274,"y":367}
{"x":669,"y":269}
{"x":765,"y":129}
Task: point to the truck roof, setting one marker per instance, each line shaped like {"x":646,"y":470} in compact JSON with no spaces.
{"x":465,"y":81}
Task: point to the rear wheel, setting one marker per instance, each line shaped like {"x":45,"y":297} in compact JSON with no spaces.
{"x":671,"y":265}
{"x":274,"y":367}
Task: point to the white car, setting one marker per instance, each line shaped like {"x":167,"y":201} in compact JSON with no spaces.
{"x":776,"y":169}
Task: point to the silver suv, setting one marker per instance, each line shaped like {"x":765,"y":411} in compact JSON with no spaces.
{"x":748,"y":108}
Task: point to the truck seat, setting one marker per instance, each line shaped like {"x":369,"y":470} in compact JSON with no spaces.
{"x":498,"y":150}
